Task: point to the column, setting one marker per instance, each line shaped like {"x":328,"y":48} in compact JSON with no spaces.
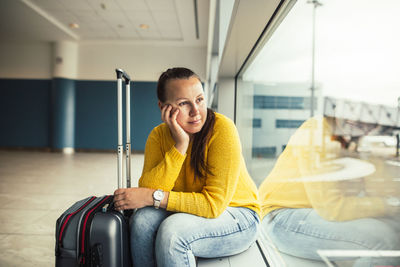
{"x":65,"y":63}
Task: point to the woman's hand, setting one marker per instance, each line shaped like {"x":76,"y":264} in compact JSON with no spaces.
{"x":133,"y":198}
{"x":181,"y":138}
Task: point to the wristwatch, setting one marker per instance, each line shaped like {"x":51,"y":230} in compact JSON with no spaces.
{"x":158,"y":196}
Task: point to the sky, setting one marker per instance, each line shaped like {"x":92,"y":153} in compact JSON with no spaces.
{"x":357,"y":54}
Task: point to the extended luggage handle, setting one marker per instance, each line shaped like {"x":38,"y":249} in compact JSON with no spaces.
{"x":122,"y":75}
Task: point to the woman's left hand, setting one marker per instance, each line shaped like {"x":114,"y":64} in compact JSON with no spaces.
{"x":133,"y":198}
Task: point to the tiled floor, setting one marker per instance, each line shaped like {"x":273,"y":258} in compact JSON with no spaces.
{"x":36,"y":187}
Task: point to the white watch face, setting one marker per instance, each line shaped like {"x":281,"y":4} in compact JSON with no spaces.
{"x":158,"y":195}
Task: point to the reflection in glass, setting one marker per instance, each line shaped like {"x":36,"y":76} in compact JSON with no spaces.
{"x":320,"y":196}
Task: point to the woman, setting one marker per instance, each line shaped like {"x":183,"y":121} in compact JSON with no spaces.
{"x":195,"y":172}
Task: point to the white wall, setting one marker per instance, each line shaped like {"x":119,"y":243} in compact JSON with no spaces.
{"x":144,"y":63}
{"x":26,"y":60}
{"x":98,"y":61}
{"x":225,"y":14}
{"x":226,"y":97}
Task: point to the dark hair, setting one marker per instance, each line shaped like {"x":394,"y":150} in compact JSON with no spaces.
{"x":200,"y":139}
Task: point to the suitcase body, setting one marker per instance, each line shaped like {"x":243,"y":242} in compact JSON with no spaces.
{"x":91,"y":232}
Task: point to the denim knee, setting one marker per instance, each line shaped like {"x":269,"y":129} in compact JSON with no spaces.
{"x":168,"y":235}
{"x":146,"y":221}
{"x":172,"y":248}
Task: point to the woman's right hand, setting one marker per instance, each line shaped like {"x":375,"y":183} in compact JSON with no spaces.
{"x":181,"y":138}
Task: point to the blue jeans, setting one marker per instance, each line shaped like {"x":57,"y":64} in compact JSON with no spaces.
{"x":175,"y":239}
{"x":301,"y":232}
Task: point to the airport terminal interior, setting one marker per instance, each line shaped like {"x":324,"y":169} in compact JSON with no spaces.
{"x":312,"y":87}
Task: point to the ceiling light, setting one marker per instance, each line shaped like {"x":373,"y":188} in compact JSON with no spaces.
{"x":74,"y":25}
{"x":144,"y":26}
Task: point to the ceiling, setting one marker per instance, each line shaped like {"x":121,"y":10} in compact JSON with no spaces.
{"x":183,"y":22}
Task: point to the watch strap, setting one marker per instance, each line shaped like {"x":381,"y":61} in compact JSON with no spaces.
{"x":156,"y":204}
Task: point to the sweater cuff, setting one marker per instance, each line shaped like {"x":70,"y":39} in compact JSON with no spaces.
{"x":175,"y":154}
{"x":172,"y":200}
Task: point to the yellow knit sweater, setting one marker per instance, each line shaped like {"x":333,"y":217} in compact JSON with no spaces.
{"x":230,"y":185}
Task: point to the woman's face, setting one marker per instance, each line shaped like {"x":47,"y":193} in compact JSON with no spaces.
{"x":187,"y":95}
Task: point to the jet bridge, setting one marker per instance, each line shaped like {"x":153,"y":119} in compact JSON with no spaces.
{"x":356,"y":119}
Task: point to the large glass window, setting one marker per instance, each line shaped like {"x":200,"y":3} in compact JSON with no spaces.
{"x":325,"y":83}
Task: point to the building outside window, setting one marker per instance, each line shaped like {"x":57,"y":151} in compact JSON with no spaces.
{"x":256,"y":123}
{"x":264,"y":152}
{"x":288,"y":123}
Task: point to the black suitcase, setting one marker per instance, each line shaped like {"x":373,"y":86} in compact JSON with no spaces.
{"x":91,"y":232}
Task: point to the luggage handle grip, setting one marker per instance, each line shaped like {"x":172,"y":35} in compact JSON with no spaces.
{"x":122,"y":74}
